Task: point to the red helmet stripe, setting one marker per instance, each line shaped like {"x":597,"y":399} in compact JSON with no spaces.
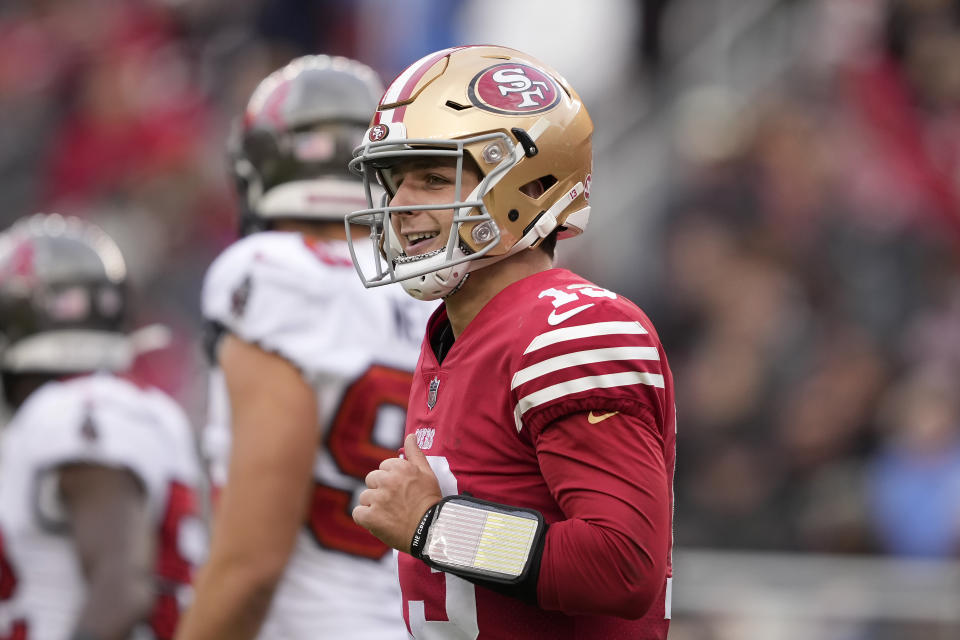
{"x":273,"y":109}
{"x":402,"y":87}
{"x":21,"y":263}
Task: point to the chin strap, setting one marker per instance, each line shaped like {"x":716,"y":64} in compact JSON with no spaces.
{"x":465,"y":277}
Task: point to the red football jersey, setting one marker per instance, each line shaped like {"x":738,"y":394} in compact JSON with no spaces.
{"x":545,"y":348}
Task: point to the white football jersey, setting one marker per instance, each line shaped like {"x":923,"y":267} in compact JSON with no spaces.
{"x":357,"y":348}
{"x":103,"y":420}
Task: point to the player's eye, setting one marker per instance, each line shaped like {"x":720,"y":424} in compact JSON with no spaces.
{"x":436,"y":179}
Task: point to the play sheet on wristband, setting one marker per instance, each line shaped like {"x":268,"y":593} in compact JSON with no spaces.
{"x":475,"y":538}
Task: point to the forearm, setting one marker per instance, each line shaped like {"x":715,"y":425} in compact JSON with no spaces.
{"x":262,"y":507}
{"x":251,"y":546}
{"x":587,"y":569}
{"x":609,"y":556}
{"x":114,"y":540}
{"x":115,"y":603}
{"x":231,"y":602}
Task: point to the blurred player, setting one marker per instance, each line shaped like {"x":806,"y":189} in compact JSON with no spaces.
{"x":99,"y":531}
{"x":542,"y":407}
{"x":311,"y":382}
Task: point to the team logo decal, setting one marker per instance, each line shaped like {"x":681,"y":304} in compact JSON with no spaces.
{"x":88,"y":429}
{"x":586,"y":186}
{"x":432,"y":393}
{"x":240,"y":296}
{"x":425,"y":437}
{"x":512,"y":88}
{"x":379,"y":132}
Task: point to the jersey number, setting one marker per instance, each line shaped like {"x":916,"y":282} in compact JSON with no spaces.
{"x":173,"y":570}
{"x":350,"y":442}
{"x":457,"y":619}
{"x":8,"y":587}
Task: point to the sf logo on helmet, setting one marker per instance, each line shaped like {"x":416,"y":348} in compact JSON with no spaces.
{"x":379,"y":132}
{"x":516,"y":81}
{"x":513,"y":89}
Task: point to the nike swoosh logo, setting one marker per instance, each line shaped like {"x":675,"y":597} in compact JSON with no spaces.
{"x":556,"y":318}
{"x":592,"y":419}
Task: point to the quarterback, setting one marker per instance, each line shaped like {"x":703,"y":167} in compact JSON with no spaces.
{"x":310,"y":379}
{"x":533,"y":497}
{"x":99,"y":527}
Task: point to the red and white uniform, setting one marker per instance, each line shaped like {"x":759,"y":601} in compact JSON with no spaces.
{"x":557,"y":397}
{"x":357,"y":348}
{"x":100,"y":420}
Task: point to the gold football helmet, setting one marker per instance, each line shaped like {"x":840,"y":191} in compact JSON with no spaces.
{"x":518,"y":120}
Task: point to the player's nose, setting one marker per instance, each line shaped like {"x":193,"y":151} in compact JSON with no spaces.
{"x":402,"y":198}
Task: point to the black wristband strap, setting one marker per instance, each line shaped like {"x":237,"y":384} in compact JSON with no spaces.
{"x":420,"y":534}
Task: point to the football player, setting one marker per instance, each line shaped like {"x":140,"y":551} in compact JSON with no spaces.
{"x":99,"y":528}
{"x":311,"y":377}
{"x":534,"y":498}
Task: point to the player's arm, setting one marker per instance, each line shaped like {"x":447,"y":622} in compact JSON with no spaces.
{"x":609,"y":556}
{"x":274,"y":442}
{"x":114,"y":538}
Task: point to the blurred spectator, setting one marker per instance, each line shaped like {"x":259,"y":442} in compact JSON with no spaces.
{"x":903,"y":98}
{"x":810,"y":251}
{"x":914,"y":480}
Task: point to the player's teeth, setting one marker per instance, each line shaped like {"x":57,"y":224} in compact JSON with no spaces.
{"x":415,"y":237}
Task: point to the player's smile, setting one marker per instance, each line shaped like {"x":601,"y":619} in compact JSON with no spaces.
{"x":421,"y":241}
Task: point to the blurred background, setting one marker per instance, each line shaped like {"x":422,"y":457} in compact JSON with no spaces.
{"x":777,"y":183}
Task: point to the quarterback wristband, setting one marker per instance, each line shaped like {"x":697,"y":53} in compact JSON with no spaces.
{"x":420,"y":534}
{"x":480,"y":540}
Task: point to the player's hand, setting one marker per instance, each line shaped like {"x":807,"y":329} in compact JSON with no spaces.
{"x":397,"y":496}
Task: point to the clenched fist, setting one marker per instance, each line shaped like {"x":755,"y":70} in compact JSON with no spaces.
{"x":397,"y":496}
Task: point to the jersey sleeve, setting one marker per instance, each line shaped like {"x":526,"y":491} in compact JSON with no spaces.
{"x":609,"y":556}
{"x":95,"y":421}
{"x":269,"y":290}
{"x":606,"y":358}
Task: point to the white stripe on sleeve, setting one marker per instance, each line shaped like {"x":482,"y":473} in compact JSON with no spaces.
{"x":580,"y":358}
{"x":585,"y":331}
{"x":568,"y":387}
